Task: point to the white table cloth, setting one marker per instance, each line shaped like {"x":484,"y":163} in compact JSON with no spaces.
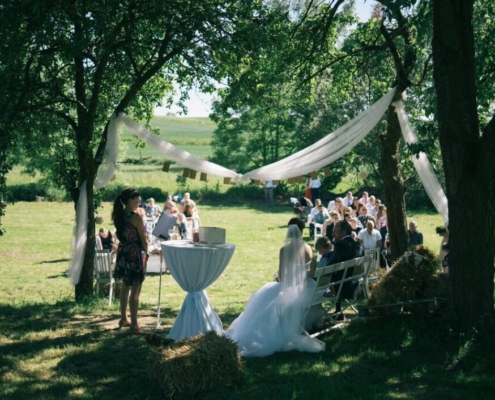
{"x":195,"y":267}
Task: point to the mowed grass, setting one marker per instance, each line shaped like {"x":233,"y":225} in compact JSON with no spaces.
{"x":190,"y":134}
{"x":51,"y":348}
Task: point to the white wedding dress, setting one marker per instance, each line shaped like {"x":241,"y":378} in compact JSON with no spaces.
{"x":272,"y":319}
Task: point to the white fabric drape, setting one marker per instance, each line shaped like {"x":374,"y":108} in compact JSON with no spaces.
{"x":327,"y":150}
{"x":423,"y":166}
{"x":105,"y":173}
{"x":183,"y":157}
{"x":195,"y":268}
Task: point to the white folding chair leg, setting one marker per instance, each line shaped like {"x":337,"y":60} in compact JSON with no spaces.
{"x":110,"y":296}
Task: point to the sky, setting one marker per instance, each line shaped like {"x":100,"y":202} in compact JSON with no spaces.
{"x":199,"y":104}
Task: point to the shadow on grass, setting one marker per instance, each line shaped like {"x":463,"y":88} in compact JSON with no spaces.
{"x":61,"y":351}
{"x":55,"y":261}
{"x":395,"y":357}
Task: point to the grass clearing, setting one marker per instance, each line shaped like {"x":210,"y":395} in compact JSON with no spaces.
{"x":52,"y":348}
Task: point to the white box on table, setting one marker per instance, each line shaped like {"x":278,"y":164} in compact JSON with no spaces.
{"x":212,"y":235}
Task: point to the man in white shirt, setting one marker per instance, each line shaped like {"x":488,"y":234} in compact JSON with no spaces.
{"x":268,"y":186}
{"x":365,"y":199}
{"x":348,"y":199}
{"x":318,"y":213}
{"x":314,"y":185}
{"x":372,"y":210}
{"x":370,"y":238}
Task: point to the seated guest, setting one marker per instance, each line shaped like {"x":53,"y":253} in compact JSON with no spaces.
{"x":444,"y":248}
{"x":348,"y":199}
{"x":382,"y":221}
{"x":338,"y":207}
{"x":187,"y":200}
{"x":355,"y":205}
{"x":319,"y":215}
{"x":415,"y":237}
{"x":324,"y":247}
{"x":372,"y":210}
{"x":365,"y":199}
{"x":169,"y":203}
{"x":108,"y":240}
{"x":191,"y":214}
{"x":370,"y":237}
{"x":327,"y":227}
{"x":362,"y":214}
{"x":355,"y":225}
{"x":181,"y":225}
{"x":345,"y":248}
{"x":152,"y":209}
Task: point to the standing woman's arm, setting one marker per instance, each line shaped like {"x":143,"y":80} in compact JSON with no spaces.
{"x":138,"y":222}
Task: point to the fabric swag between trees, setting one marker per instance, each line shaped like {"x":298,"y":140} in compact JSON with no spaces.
{"x":315,"y":157}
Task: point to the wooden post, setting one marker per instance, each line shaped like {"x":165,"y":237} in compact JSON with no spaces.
{"x":166,"y":166}
{"x":203,"y":177}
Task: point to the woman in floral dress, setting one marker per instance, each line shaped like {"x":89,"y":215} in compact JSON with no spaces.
{"x":132,"y":254}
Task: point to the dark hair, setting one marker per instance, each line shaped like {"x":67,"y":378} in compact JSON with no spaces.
{"x":345,"y":226}
{"x":441,"y":230}
{"x":188,"y":210}
{"x":323,"y":243}
{"x":297,"y":221}
{"x":118,"y":208}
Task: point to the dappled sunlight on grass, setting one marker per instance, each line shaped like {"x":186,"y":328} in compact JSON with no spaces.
{"x":52,"y":348}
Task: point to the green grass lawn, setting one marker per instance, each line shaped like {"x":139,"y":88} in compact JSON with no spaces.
{"x":52,"y":348}
{"x":190,"y":134}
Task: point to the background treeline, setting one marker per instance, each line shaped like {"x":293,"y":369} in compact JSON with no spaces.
{"x":141,"y":167}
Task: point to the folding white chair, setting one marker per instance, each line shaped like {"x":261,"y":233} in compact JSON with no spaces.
{"x":318,"y":230}
{"x":373,"y":274}
{"x":103,"y":271}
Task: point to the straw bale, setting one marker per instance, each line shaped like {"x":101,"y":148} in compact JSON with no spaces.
{"x":194,"y":365}
{"x":407,"y":281}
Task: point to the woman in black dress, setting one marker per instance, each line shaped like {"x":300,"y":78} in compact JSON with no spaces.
{"x":132,"y":254}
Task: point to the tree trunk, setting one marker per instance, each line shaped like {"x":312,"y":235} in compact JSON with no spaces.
{"x":468,"y":164}
{"x":85,"y":286}
{"x":394,"y":183}
{"x":87,"y":167}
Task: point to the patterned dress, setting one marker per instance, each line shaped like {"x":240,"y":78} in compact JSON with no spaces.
{"x":131,"y":258}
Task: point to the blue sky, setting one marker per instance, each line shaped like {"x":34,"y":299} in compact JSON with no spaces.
{"x":199,"y":104}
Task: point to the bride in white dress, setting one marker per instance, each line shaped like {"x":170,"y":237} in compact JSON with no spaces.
{"x":272,"y":319}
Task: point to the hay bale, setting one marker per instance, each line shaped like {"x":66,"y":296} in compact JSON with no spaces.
{"x":410,"y":279}
{"x":198,"y":364}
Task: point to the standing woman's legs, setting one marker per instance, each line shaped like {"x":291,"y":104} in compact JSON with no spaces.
{"x":124,"y":297}
{"x":134,"y":305}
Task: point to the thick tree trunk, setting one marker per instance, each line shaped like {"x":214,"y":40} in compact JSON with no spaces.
{"x":87,"y":167}
{"x":468,"y":164}
{"x":394,"y":183}
{"x":85,"y":286}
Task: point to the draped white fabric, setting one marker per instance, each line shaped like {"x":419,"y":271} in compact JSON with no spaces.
{"x":194,"y":268}
{"x":183,"y":157}
{"x":105,"y":173}
{"x":327,"y":150}
{"x":423,"y":166}
{"x":320,"y":154}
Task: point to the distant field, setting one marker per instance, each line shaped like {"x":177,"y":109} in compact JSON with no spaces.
{"x":190,"y":134}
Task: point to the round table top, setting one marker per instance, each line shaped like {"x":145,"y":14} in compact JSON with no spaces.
{"x":187,"y":244}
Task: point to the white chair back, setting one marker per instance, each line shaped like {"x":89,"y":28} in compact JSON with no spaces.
{"x":103,"y":271}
